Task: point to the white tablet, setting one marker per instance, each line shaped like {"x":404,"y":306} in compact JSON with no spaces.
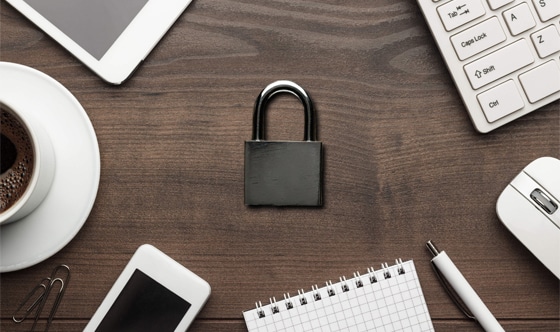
{"x":111,"y":37}
{"x":153,"y":293}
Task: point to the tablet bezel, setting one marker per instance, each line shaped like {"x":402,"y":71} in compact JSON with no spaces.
{"x":130,"y":48}
{"x":166,"y":272}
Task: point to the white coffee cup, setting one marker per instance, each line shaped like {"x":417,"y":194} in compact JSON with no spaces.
{"x":33,"y":185}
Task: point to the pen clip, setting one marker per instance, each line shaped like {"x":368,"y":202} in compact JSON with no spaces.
{"x":452,"y":294}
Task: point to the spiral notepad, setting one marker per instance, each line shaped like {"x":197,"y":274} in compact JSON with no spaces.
{"x":389,"y":299}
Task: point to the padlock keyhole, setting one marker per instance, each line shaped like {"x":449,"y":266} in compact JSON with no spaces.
{"x":284,"y":118}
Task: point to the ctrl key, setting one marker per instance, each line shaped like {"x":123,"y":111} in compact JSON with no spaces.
{"x":500,"y":101}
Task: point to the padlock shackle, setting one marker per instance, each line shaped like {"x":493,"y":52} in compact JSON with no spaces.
{"x":281,"y":87}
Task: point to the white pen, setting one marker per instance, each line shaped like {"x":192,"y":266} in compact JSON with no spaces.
{"x":443,"y":264}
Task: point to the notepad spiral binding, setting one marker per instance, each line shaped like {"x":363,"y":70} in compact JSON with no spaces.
{"x":389,"y":299}
{"x":331,"y":291}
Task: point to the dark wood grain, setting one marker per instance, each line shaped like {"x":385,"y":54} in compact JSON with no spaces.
{"x":239,"y":326}
{"x":402,"y":164}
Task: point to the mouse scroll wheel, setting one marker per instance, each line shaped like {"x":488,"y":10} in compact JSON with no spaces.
{"x":544,"y":201}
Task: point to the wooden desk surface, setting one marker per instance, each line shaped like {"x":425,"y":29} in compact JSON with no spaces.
{"x":403,"y":163}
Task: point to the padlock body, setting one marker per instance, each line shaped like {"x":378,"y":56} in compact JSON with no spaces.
{"x":283,"y":173}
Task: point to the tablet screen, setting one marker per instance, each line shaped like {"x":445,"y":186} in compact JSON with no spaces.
{"x":144,"y":305}
{"x":92,"y":24}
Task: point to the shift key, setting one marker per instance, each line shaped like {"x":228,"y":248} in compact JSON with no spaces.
{"x":499,"y":64}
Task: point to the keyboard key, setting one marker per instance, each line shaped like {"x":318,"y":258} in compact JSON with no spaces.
{"x":458,"y":12}
{"x":499,"y":79}
{"x":541,"y":82}
{"x":546,"y":41}
{"x":495,"y":4}
{"x":478,"y":38}
{"x":519,"y":19}
{"x":547,"y":9}
{"x":499,"y":64}
{"x":500,"y":101}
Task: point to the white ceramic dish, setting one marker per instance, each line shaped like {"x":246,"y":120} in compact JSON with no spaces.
{"x":56,"y":221}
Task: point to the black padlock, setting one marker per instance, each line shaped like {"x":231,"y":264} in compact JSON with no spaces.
{"x":283,"y":173}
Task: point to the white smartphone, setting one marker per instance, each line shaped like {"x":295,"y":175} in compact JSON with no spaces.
{"x":153,"y":293}
{"x":111,"y":37}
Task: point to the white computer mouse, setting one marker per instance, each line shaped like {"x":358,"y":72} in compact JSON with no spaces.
{"x":530,"y":208}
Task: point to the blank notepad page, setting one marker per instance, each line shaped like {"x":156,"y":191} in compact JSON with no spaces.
{"x":389,"y":299}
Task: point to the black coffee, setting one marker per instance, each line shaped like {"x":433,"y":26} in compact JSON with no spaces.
{"x":16,"y":159}
{"x":8,"y":153}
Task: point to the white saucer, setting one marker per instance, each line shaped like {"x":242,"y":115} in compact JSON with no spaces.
{"x":63,"y":212}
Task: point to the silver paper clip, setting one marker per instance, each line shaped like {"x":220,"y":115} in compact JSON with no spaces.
{"x":35,"y":300}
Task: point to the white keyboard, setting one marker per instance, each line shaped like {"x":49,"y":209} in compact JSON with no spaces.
{"x":504,"y":55}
